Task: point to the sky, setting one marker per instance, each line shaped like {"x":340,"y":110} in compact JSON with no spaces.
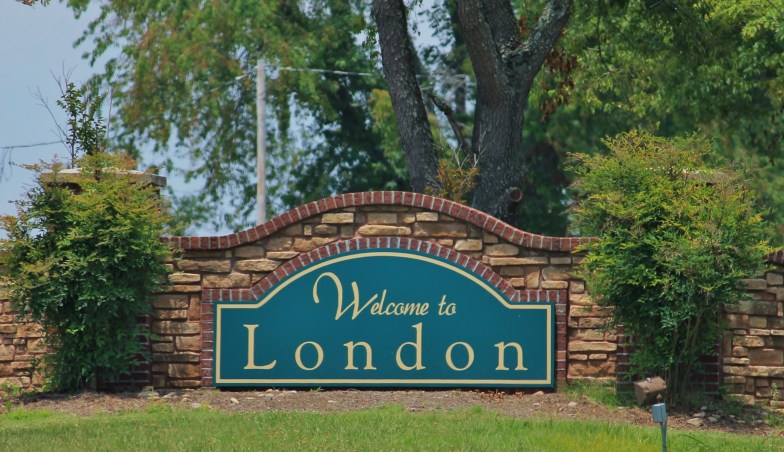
{"x":36,"y":45}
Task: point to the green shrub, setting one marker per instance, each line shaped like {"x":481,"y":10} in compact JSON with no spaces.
{"x":674,"y":239}
{"x":84,"y":255}
{"x":83,"y":264}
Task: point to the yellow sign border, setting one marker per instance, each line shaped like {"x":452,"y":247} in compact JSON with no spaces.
{"x":319,"y":265}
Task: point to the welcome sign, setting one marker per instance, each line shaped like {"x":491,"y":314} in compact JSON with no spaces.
{"x":384,"y":317}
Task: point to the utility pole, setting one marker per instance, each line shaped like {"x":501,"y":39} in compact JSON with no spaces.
{"x":261,"y":143}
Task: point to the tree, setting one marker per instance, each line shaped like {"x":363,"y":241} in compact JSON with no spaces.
{"x":674,"y":238}
{"x":505,"y":64}
{"x":670,"y":67}
{"x":85,"y":131}
{"x":184,"y":80}
{"x":710,"y":66}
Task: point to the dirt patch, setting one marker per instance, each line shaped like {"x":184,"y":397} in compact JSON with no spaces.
{"x":539,"y":405}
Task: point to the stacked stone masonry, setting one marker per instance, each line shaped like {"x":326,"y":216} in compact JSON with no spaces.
{"x":526,"y":267}
{"x":21,"y":345}
{"x":752,"y":358}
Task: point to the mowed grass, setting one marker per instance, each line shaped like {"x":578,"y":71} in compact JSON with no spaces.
{"x":387,"y":428}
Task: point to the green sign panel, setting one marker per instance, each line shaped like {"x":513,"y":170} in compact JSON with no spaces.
{"x":384,"y":317}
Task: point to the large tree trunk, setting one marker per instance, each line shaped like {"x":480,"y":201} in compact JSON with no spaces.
{"x":505,"y":68}
{"x":400,"y":73}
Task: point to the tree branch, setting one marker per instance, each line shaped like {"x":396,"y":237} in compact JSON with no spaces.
{"x":485,"y":59}
{"x":544,"y":35}
{"x":501,"y":18}
{"x":450,"y":116}
{"x":610,"y":71}
{"x":399,"y":64}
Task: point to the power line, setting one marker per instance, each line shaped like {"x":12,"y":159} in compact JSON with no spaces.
{"x":6,"y":163}
{"x":33,"y":145}
{"x":326,"y":71}
{"x":465,"y":78}
{"x":459,"y":78}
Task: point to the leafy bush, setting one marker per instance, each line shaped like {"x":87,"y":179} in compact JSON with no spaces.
{"x":83,"y":263}
{"x":84,"y":255}
{"x":675,"y":237}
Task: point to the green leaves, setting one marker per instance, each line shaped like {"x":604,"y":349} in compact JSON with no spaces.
{"x":86,"y":131}
{"x":670,"y":68}
{"x":184,"y":86}
{"x":84,"y":265}
{"x":84,"y":254}
{"x":675,"y":236}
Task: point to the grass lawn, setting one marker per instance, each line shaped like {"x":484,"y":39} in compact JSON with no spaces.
{"x":387,"y":428}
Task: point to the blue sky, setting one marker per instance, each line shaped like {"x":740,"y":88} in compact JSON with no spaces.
{"x":35,"y":42}
{"x":36,"y":45}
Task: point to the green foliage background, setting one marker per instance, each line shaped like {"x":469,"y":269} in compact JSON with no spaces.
{"x":183,"y":85}
{"x":674,"y":239}
{"x":673,"y":68}
{"x":84,"y":263}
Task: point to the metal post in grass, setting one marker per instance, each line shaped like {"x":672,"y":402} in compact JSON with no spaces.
{"x":659,"y":411}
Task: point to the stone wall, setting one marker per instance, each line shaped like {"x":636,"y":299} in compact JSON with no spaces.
{"x":21,"y":344}
{"x":752,"y":357}
{"x":243,"y":265}
{"x":526,"y":266}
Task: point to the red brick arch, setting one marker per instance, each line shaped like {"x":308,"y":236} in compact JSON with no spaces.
{"x":381,"y":198}
{"x":393,"y":198}
{"x":404,"y":243}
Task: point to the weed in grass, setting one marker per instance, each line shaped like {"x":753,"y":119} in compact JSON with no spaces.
{"x":775,"y":391}
{"x":477,"y":410}
{"x":774,"y":419}
{"x":23,"y":414}
{"x":9,"y":393}
{"x":603,"y":392}
{"x":392,"y":408}
{"x":732,"y":405}
{"x":158,"y":407}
